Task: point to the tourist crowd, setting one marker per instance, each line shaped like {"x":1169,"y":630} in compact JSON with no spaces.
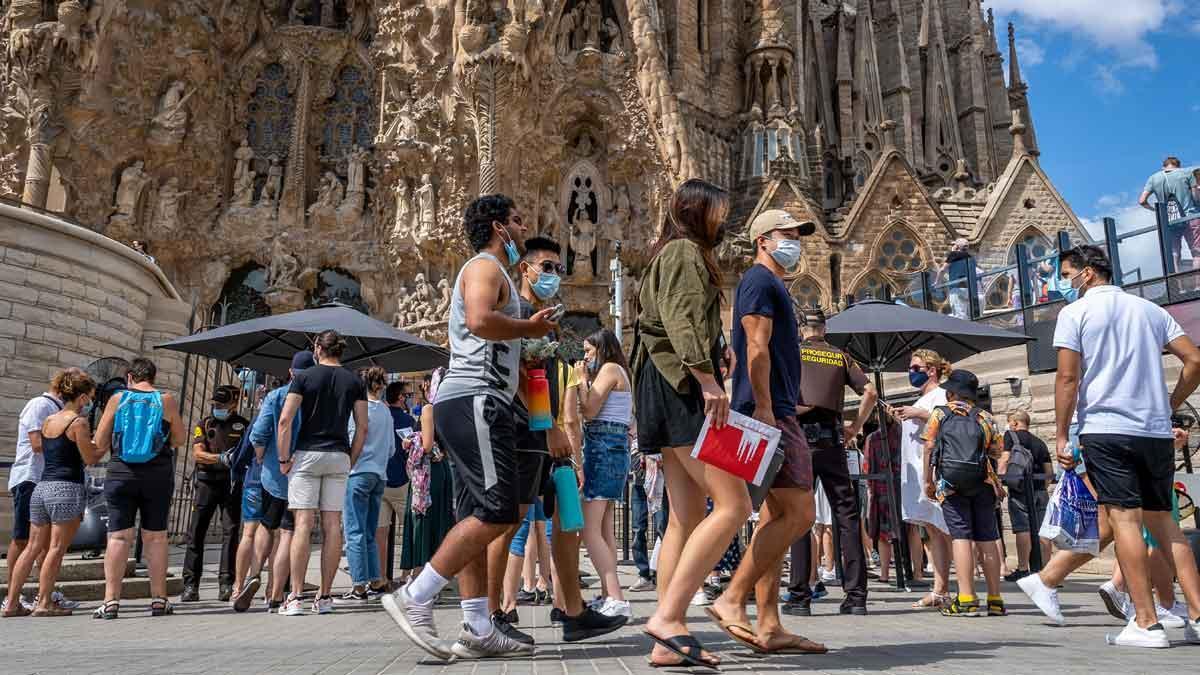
{"x":513,"y":460}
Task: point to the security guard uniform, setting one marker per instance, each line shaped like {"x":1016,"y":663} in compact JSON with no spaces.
{"x":826,"y":371}
{"x":215,"y":489}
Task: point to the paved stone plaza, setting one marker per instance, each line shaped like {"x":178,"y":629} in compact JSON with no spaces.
{"x":207,"y":637}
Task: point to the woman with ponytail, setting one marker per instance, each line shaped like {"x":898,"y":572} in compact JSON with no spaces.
{"x":926,"y":371}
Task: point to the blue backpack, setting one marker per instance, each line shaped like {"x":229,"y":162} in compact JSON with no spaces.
{"x":138,"y":426}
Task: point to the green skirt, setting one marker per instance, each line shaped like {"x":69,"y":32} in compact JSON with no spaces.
{"x":423,"y":534}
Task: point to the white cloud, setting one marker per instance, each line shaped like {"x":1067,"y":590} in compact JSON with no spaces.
{"x":1139,"y":255}
{"x":1030,"y":52}
{"x":1120,"y":25}
{"x":1107,"y":80}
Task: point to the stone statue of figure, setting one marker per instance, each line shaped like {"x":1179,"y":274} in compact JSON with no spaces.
{"x":549,"y":218}
{"x":613,"y":32}
{"x":443,"y":307}
{"x":427,"y":207}
{"x":284,"y":266}
{"x":274,"y":185}
{"x":618,"y":220}
{"x":166,"y":212}
{"x":331,"y":191}
{"x":566,"y":29}
{"x":581,"y":27}
{"x":584,"y":148}
{"x":404,"y":305}
{"x":243,"y":175}
{"x":327,"y":15}
{"x":592,"y":19}
{"x":423,"y":299}
{"x":355,"y":166}
{"x":583,"y":243}
{"x":129,"y":191}
{"x":170,"y":118}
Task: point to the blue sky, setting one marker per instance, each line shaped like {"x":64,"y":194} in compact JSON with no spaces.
{"x":1114,"y":88}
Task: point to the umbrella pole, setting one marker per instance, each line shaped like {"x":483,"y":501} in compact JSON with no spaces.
{"x":900,"y":542}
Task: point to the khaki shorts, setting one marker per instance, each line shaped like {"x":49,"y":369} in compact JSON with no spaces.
{"x":318,"y":480}
{"x":393,"y":502}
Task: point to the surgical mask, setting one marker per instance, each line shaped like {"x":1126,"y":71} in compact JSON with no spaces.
{"x":86,"y":410}
{"x":510,"y":249}
{"x":918,"y":378}
{"x":593,"y":366}
{"x":1071,"y":293}
{"x":787,"y":253}
{"x":546,"y":286}
{"x":220,"y":413}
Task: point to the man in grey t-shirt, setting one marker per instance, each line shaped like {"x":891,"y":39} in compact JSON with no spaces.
{"x":1173,"y":186}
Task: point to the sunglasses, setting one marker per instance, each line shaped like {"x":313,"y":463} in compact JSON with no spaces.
{"x":915,"y":369}
{"x":551,"y":267}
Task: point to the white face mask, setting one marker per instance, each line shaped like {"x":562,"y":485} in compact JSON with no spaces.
{"x":787,"y":253}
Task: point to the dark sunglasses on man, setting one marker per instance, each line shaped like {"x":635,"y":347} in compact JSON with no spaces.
{"x":551,"y":267}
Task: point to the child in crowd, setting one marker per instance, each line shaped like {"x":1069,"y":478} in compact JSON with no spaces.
{"x":959,"y":440}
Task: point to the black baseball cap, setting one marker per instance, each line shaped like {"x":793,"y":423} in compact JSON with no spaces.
{"x":225,"y":394}
{"x":302,"y":360}
{"x":963,"y":384}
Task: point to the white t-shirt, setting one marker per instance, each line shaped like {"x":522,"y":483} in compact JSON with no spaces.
{"x":28,"y":464}
{"x":1122,"y":389}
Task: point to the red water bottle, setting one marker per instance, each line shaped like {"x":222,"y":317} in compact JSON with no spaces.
{"x":538,"y":391}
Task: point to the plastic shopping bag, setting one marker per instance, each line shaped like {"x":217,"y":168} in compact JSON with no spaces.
{"x":1071,"y":520}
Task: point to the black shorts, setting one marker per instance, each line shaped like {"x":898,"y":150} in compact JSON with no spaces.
{"x":972,"y":518}
{"x":667,"y":418}
{"x":1131,"y":472}
{"x":21,"y":495}
{"x":146,"y":489}
{"x":275,"y":513}
{"x":533,"y":472}
{"x":478,"y":434}
{"x":1018,"y":512}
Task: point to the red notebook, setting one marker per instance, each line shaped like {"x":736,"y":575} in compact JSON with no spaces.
{"x":744,"y":447}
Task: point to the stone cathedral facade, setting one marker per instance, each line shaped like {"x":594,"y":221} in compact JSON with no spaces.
{"x":274,"y":154}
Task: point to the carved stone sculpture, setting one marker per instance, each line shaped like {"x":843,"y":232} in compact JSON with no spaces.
{"x":355,"y":168}
{"x":171,"y":117}
{"x":274,"y":185}
{"x":166,"y":211}
{"x":442,"y":312}
{"x":329,"y":198}
{"x":566,"y":30}
{"x":583,"y":243}
{"x":404,"y":306}
{"x":427,"y":207}
{"x":243,"y":175}
{"x":281,"y":275}
{"x":129,"y":193}
{"x":592,"y":20}
{"x":550,"y":216}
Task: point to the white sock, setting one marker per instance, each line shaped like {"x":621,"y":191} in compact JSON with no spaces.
{"x":475,"y":615}
{"x":425,"y":588}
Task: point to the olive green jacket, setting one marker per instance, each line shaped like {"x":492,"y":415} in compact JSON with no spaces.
{"x":680,"y":321}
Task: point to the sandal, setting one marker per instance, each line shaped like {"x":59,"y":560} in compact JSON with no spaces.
{"x":161,"y":607}
{"x":739,"y":632}
{"x":932,"y":601}
{"x":692,"y":658}
{"x":108,"y":610}
{"x":52,"y":610}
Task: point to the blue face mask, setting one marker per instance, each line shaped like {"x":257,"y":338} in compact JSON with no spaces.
{"x":593,"y":366}
{"x":546,"y":286}
{"x":87,"y":409}
{"x":220,"y":414}
{"x":510,"y":249}
{"x":918,"y":379}
{"x":787,"y":253}
{"x":1070,"y":293}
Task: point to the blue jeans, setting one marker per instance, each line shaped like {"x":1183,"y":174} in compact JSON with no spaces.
{"x":364,"y":494}
{"x":521,"y":538}
{"x":641,"y":526}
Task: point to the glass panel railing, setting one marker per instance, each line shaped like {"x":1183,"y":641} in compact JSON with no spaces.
{"x":999,"y":291}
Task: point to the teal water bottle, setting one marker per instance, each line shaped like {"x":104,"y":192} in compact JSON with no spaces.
{"x":570,"y":507}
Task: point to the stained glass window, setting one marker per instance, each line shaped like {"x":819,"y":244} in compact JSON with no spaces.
{"x":269,"y":123}
{"x":1036,"y":246}
{"x":349,"y":120}
{"x":336,"y":285}
{"x":807,"y":292}
{"x":898,"y":251}
{"x":243,"y":296}
{"x":872,"y":287}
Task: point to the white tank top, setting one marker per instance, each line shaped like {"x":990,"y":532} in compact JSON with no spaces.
{"x":618,"y":407}
{"x":479,"y":366}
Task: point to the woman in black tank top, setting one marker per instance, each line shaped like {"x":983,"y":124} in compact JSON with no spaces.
{"x":58,"y":500}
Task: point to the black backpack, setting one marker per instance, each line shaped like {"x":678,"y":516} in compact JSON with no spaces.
{"x":960,"y":451}
{"x":1020,"y":463}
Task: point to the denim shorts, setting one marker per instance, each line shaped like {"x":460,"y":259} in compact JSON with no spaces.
{"x":252,"y":504}
{"x":606,"y":461}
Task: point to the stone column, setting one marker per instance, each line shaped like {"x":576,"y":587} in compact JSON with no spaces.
{"x":295,"y":189}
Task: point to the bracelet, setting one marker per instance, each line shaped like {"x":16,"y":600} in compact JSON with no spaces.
{"x":285,"y":461}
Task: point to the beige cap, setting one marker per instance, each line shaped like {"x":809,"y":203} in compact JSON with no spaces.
{"x":778,"y":219}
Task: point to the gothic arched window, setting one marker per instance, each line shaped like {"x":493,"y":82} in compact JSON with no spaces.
{"x":337,"y":285}
{"x":243,"y":296}
{"x":1037,"y":245}
{"x":269,"y":123}
{"x":807,"y":292}
{"x":898,"y":251}
{"x":349,"y":120}
{"x":872,"y":286}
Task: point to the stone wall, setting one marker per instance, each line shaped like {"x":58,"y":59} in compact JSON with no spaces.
{"x":69,"y":296}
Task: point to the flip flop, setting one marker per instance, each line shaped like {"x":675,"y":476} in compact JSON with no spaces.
{"x":796,"y":646}
{"x":677,"y":644}
{"x":728,"y":627}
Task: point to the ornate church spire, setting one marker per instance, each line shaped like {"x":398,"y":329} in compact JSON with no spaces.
{"x":1018,"y":96}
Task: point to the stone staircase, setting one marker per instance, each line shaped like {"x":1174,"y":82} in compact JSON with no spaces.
{"x":81,"y":579}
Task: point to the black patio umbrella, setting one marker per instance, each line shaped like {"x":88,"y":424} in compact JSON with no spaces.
{"x":882,"y":336}
{"x":267,"y":344}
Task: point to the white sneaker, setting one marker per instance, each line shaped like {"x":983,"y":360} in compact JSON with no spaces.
{"x":1169,"y":619}
{"x":416,"y":620}
{"x":1115,"y":601}
{"x":617,"y":608}
{"x":322,"y":605}
{"x":292,"y":607}
{"x":1044,"y":597}
{"x":642,"y":584}
{"x":701,"y":599}
{"x":495,"y":645}
{"x":827,"y":576}
{"x":1191,"y":631}
{"x":63,"y":601}
{"x":1154,"y":637}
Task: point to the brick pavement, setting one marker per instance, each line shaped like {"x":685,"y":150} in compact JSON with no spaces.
{"x":208,"y":638}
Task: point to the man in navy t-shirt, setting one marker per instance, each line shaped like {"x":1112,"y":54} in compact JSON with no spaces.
{"x":766,"y":383}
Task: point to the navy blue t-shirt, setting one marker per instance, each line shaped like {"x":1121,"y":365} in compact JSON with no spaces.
{"x":761,"y":293}
{"x":397,"y":472}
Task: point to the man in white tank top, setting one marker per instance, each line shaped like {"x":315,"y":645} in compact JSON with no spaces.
{"x":474,"y":423}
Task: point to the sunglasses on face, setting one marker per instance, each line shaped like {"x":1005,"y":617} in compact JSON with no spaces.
{"x":551,"y":267}
{"x":915,"y":369}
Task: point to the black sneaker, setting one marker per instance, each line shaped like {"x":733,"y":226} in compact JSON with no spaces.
{"x":512,"y":617}
{"x":500,"y":621}
{"x":557,"y":615}
{"x":1016,"y":576}
{"x":273,"y":606}
{"x":797,"y":608}
{"x":527,"y":597}
{"x":819,"y":591}
{"x":355,"y":596}
{"x":590,"y":624}
{"x":855,"y":610}
{"x":226,"y":592}
{"x":190,"y":594}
